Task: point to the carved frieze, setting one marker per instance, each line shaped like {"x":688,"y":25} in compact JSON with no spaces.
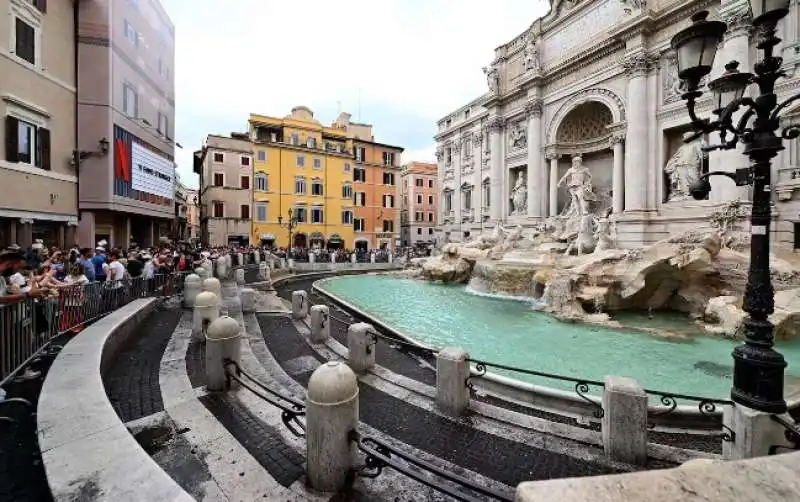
{"x":518,"y":137}
{"x":592,"y":21}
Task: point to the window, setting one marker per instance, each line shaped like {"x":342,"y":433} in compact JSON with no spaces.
{"x":162,"y":68}
{"x":388,"y":225}
{"x":295,"y":138}
{"x":466,"y":196}
{"x":419,"y":216}
{"x":300,"y":185}
{"x":301,"y":214}
{"x":430,"y":200}
{"x":347,"y":217}
{"x":244,"y":161}
{"x":361,"y":154}
{"x":261,"y":182}
{"x":358,"y":225}
{"x":261,"y":211}
{"x":360,"y":175}
{"x":317,"y":164}
{"x":448,"y":202}
{"x":163,"y":124}
{"x":487,"y":192}
{"x":448,"y":155}
{"x":347,"y":191}
{"x":361,"y":199}
{"x":25,"y":41}
{"x":262,"y":155}
{"x":316,"y":187}
{"x":419,"y":182}
{"x":219,"y":158}
{"x":430,"y":183}
{"x":301,"y":161}
{"x":448,"y":123}
{"x":311,"y":142}
{"x":430,"y":217}
{"x":347,"y":167}
{"x":419,"y":198}
{"x":419,"y":231}
{"x":244,"y":211}
{"x":466,"y":113}
{"x":430,"y":231}
{"x":317,"y":215}
{"x":131,"y":34}
{"x":245,"y":182}
{"x":388,"y":178}
{"x":388,"y":201}
{"x":27,"y":143}
{"x":219,"y":209}
{"x":219,"y":179}
{"x":388,"y":159}
{"x":130,"y":100}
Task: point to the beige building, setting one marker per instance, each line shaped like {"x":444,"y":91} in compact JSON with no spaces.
{"x":38,"y":184}
{"x":192,"y":214}
{"x":225,"y":166}
{"x":419,"y":189}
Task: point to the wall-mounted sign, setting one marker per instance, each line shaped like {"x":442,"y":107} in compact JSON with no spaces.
{"x":151,"y":173}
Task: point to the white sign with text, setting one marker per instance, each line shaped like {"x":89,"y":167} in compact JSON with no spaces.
{"x":151,"y":173}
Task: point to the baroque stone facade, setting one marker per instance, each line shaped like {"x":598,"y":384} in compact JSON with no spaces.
{"x":598,"y":80}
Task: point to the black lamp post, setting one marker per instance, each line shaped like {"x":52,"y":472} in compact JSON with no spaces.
{"x":757,"y":367}
{"x":290,"y":225}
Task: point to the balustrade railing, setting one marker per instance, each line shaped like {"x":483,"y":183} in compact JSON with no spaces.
{"x":791,"y":433}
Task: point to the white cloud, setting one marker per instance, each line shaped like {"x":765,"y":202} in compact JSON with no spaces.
{"x":427,"y":154}
{"x":266,"y":56}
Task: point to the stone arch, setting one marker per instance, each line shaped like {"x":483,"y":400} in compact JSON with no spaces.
{"x":607,"y":97}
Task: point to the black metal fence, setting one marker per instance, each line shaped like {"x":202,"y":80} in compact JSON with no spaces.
{"x":28,"y":326}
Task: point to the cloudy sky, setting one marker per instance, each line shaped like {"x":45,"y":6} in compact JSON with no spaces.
{"x":398,"y":64}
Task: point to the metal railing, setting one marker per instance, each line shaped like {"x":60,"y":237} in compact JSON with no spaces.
{"x":28,"y":326}
{"x":705,"y":405}
{"x":791,"y":433}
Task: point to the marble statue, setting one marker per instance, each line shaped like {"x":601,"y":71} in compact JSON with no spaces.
{"x":530,"y":58}
{"x":684,"y":168}
{"x":484,"y":241}
{"x":492,"y":78}
{"x":519,"y":195}
{"x":518,"y":137}
{"x":605,"y":234}
{"x":579,"y":184}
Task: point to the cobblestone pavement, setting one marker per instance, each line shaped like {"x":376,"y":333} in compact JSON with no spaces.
{"x":397,"y":360}
{"x":196,"y":363}
{"x":132,"y":383}
{"x":503,"y":460}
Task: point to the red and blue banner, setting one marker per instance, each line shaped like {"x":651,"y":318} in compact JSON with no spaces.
{"x":123,"y":143}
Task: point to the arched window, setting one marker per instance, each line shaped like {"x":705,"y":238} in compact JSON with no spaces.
{"x":262,"y":182}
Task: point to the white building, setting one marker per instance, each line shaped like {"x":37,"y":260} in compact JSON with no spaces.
{"x":598,"y":78}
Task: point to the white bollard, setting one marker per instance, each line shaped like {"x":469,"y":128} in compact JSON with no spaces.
{"x":240,"y":259}
{"x":240,"y":276}
{"x":206,"y":311}
{"x":290,"y":264}
{"x":192,"y":285}
{"x":391,"y":258}
{"x":271,"y":263}
{"x":353,"y":258}
{"x":372,"y":257}
{"x":212,"y":285}
{"x":624,"y":423}
{"x":299,"y":304}
{"x":257,"y":257}
{"x":222,"y":268}
{"x":248,"y":297}
{"x":223,"y":341}
{"x":268,"y":280}
{"x":361,"y":346}
{"x":452,"y":372}
{"x":333,"y":258}
{"x":209,"y":267}
{"x":320,"y":324}
{"x":201,"y":273}
{"x":263,"y":271}
{"x":312,"y":258}
{"x":331,"y":414}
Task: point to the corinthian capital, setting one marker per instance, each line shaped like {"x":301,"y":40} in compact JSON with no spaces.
{"x":639,"y":64}
{"x":534,"y":108}
{"x":496,"y":124}
{"x":739,"y":21}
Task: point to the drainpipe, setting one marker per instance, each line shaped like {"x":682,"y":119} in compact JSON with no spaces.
{"x":76,"y":154}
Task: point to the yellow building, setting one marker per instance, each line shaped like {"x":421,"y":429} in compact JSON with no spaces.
{"x":306,"y":168}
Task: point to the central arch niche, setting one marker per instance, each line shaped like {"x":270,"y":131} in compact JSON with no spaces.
{"x":584,"y":131}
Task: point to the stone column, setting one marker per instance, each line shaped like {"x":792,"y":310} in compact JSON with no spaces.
{"x":496,"y":126}
{"x":553,"y":184}
{"x":618,"y":178}
{"x":535,"y":164}
{"x":458,"y":194}
{"x":637,"y":138}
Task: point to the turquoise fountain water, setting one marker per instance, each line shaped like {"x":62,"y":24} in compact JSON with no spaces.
{"x":512,"y":333}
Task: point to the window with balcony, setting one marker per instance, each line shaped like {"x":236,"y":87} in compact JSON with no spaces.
{"x":388,"y":179}
{"x":311,"y":142}
{"x":388,"y":201}
{"x":316,"y":187}
{"x":388,"y":225}
{"x":347,"y":191}
{"x":262,"y":182}
{"x":347,"y":217}
{"x":361,"y":199}
{"x":361,"y":154}
{"x":301,"y":161}
{"x":300,"y":185}
{"x":360,"y":175}
{"x":218,"y":209}
{"x":219,"y":157}
{"x":219,"y":179}
{"x":244,"y":211}
{"x":388,"y":158}
{"x":301,"y":214}
{"x":244,"y":182}
{"x":359,"y":225}
{"x":261,"y":211}
{"x":317,"y":215}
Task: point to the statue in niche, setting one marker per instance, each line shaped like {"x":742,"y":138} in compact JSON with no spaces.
{"x":578,"y":180}
{"x":518,"y":137}
{"x":530,"y":58}
{"x":519,"y":195}
{"x":492,"y":78}
{"x":684,"y":168}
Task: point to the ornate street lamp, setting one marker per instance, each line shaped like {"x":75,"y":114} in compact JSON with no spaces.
{"x":758,"y":368}
{"x":290,"y":225}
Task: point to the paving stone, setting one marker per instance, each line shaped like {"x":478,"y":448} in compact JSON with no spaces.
{"x":132,"y":382}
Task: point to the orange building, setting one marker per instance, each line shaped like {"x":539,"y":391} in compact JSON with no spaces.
{"x":376,"y":175}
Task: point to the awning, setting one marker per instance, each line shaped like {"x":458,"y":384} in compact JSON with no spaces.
{"x":316,"y":236}
{"x":335,"y":238}
{"x":268,"y":237}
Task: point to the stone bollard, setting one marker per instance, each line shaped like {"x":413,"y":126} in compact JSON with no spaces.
{"x":361,"y":346}
{"x":624,"y":423}
{"x":271,"y":263}
{"x":248,"y":297}
{"x":240,"y":259}
{"x":201,"y":273}
{"x":353,"y":258}
{"x":333,"y":258}
{"x":372,"y":257}
{"x":299,"y":304}
{"x":223,"y":341}
{"x":263,"y":271}
{"x":312,"y":258}
{"x":192,"y":285}
{"x":212,"y":285}
{"x":320,"y":324}
{"x":222,"y":267}
{"x":391,"y":258}
{"x":257,"y":257}
{"x":290,"y":264}
{"x":452,"y":372}
{"x":209,"y":267}
{"x":331,"y":415}
{"x":240,"y":277}
{"x":206,"y":311}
